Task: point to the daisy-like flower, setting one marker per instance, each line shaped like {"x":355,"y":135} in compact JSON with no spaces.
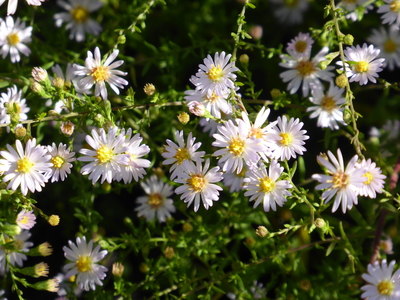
{"x":291,"y":138}
{"x":342,"y":182}
{"x":157,"y":200}
{"x":328,"y":107}
{"x":97,"y":73}
{"x":177,"y":154}
{"x":106,"y":155}
{"x":25,"y":168}
{"x":290,"y":12}
{"x":13,"y":37}
{"x":382,"y":284}
{"x":263,"y":186}
{"x":199,"y":184}
{"x":61,"y":159}
{"x":84,"y":263}
{"x":300,"y":46}
{"x":305,"y":72}
{"x":215,"y":104}
{"x":216,"y":75}
{"x":236,"y":146}
{"x":77,"y":18}
{"x":12,"y":5}
{"x":361,"y":63}
{"x":12,"y":104}
{"x":26,"y":219}
{"x":391,"y":12}
{"x":135,"y":167}
{"x":375,"y":180}
{"x":389,"y":43}
{"x":20,"y":244}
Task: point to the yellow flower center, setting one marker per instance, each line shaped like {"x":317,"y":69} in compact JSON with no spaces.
{"x":24,"y":165}
{"x":266,"y":184}
{"x":24,"y":220}
{"x":390,"y":46}
{"x":196,"y":182}
{"x":215,"y":74}
{"x":340,"y":180}
{"x":104,"y":154}
{"x":57,"y":162}
{"x":256,"y":132}
{"x":100,"y":73}
{"x":300,"y":46}
{"x":80,"y":14}
{"x":328,"y":103}
{"x":13,"y":39}
{"x":212,"y":98}
{"x":369,"y":178}
{"x":181,"y":155}
{"x":385,"y":288}
{"x":395,"y":6}
{"x":18,"y":245}
{"x":236,"y":147}
{"x":305,"y":68}
{"x":362,"y":67}
{"x":287,"y":138}
{"x":84,"y":264}
{"x":155,"y":200}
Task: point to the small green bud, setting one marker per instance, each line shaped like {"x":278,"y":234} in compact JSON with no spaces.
{"x":341,"y":81}
{"x":319,"y":223}
{"x":348,"y":39}
{"x":58,"y":83}
{"x":250,"y":241}
{"x":53,"y":113}
{"x":20,"y":132}
{"x":169,"y":252}
{"x":144,"y":268}
{"x":244,"y":59}
{"x":347,"y":115}
{"x":11,"y":229}
{"x":187,"y":227}
{"x":121,"y":39}
{"x":50,"y":285}
{"x":323,"y":64}
{"x":275,"y":93}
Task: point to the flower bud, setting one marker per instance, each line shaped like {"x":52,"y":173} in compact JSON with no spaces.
{"x":11,"y":229}
{"x":250,"y":241}
{"x":121,"y":39}
{"x":149,"y":89}
{"x":67,"y":128}
{"x":58,"y":83}
{"x":36,"y":87}
{"x":196,"y":108}
{"x":54,"y":220}
{"x":144,"y":268}
{"x":20,"y":132}
{"x":319,"y":223}
{"x":244,"y":59}
{"x":348,"y":39}
{"x":169,"y":252}
{"x":323,"y":64}
{"x":118,"y":269}
{"x":341,"y":81}
{"x":261,"y":231}
{"x":187,"y":227}
{"x":184,"y":118}
{"x":52,"y":113}
{"x":50,"y":285}
{"x":256,"y":32}
{"x":41,"y":270}
{"x":275,"y":93}
{"x":39,"y":74}
{"x":43,"y":249}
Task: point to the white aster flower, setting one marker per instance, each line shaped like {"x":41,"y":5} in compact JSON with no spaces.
{"x":216,"y":75}
{"x":391,"y":12}
{"x":305,"y":72}
{"x":12,"y":5}
{"x":300,"y":46}
{"x":106,"y":156}
{"x":382,"y":284}
{"x":97,"y":73}
{"x":11,"y":103}
{"x":26,"y":219}
{"x":13,"y":37}
{"x":236,"y":146}
{"x":234,"y":180}
{"x":157,"y":200}
{"x":20,"y":244}
{"x":328,"y":107}
{"x":342,"y":182}
{"x":361,"y":63}
{"x":217,"y":105}
{"x":25,"y":168}
{"x":290,"y":12}
{"x":375,"y":180}
{"x":177,"y":154}
{"x":389,"y":43}
{"x":291,"y":138}
{"x":77,"y":18}
{"x":263,"y":186}
{"x":135,"y":166}
{"x":198,"y":184}
{"x":61,"y":159}
{"x":84,"y":263}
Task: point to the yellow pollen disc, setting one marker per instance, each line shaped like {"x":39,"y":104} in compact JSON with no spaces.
{"x":79,"y":14}
{"x":256,"y":132}
{"x":328,"y":104}
{"x":305,"y":68}
{"x":300,"y":46}
{"x":84,"y":264}
{"x":104,"y":154}
{"x":212,"y":98}
{"x":13,"y":39}
{"x":266,"y":184}
{"x":369,"y":178}
{"x":236,"y":147}
{"x":18,"y":245}
{"x":72,"y":278}
{"x":197,"y":182}
{"x":155,"y":200}
{"x":340,"y":180}
{"x":390,"y":46}
{"x":57,"y":162}
{"x":215,"y":74}
{"x":395,"y":6}
{"x":100,"y":73}
{"x":362,"y":67}
{"x":385,"y":288}
{"x":242,"y":173}
{"x":181,"y":155}
{"x":24,"y":165}
{"x":287,"y":138}
{"x":24,"y":220}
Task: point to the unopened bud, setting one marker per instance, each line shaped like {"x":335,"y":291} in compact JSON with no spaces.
{"x":348,"y":39}
{"x":341,"y":81}
{"x":121,"y":39}
{"x":54,"y":220}
{"x":144,"y":268}
{"x":149,"y":89}
{"x":323,"y":64}
{"x":250,"y":241}
{"x":52,"y":113}
{"x":261,"y":231}
{"x":41,"y":270}
{"x":36,"y":87}
{"x":320,"y":223}
{"x":105,"y":186}
{"x":256,"y":32}
{"x":305,"y":284}
{"x":275,"y":93}
{"x":20,"y":132}
{"x":244,"y":59}
{"x":39,"y":74}
{"x":58,"y":82}
{"x":50,"y":285}
{"x":196,"y":108}
{"x":43,"y":249}
{"x":67,"y":128}
{"x":169,"y":252}
{"x":117,"y":269}
{"x":184,"y":118}
{"x":11,"y":229}
{"x":187,"y":227}
{"x":347,"y":115}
